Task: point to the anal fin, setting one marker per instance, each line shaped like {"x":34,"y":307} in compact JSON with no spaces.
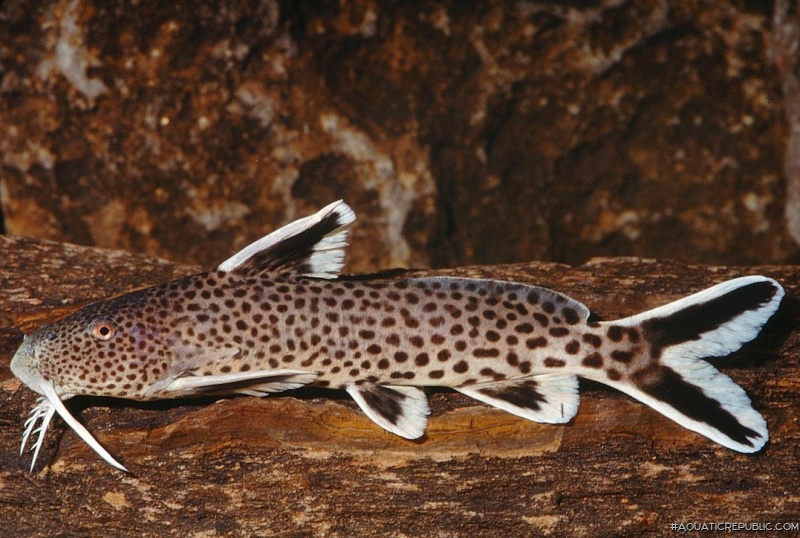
{"x":550,"y":398}
{"x":402,"y":410}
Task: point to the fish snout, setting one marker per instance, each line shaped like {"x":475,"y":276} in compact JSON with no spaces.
{"x":25,"y":366}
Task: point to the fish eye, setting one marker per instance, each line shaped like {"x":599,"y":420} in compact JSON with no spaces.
{"x":104,"y":329}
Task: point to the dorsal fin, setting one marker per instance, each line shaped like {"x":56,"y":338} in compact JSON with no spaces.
{"x":312,"y":246}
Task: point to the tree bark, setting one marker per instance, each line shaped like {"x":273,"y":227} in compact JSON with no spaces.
{"x":310,"y":463}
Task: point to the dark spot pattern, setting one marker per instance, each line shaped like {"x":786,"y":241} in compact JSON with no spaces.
{"x":615,"y":333}
{"x":593,"y":360}
{"x":571,"y":317}
{"x":460,"y":367}
{"x":622,"y":356}
{"x":592,"y":339}
{"x":533,"y":343}
{"x":348,"y":331}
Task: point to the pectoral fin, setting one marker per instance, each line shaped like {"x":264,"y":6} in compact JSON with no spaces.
{"x":251,"y":383}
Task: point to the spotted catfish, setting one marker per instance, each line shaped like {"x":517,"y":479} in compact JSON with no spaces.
{"x":276,"y":316}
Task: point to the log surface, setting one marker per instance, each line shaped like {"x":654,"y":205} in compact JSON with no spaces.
{"x":309,"y":462}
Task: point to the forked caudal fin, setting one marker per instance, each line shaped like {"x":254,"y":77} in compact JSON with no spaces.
{"x":680,"y":384}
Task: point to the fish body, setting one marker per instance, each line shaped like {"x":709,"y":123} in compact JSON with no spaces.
{"x":276,"y":316}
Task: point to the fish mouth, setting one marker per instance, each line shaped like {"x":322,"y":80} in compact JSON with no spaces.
{"x":25,"y":367}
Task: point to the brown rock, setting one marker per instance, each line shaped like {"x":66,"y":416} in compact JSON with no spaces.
{"x":309,"y":463}
{"x":483,"y":133}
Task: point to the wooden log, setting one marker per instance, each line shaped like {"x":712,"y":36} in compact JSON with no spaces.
{"x":310,"y":463}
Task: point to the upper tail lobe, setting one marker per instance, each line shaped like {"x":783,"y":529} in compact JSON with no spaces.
{"x":676,"y":380}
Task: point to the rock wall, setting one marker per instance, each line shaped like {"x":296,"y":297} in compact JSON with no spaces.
{"x":460,"y":132}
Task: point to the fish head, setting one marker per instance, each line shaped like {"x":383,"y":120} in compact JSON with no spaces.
{"x":103,"y":349}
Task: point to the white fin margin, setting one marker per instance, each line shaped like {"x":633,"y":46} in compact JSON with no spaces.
{"x":717,"y":386}
{"x":327,"y":258}
{"x":722,"y":340}
{"x":405,"y":415}
{"x":730,"y":396}
{"x":721,"y":409}
{"x":548,"y":398}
